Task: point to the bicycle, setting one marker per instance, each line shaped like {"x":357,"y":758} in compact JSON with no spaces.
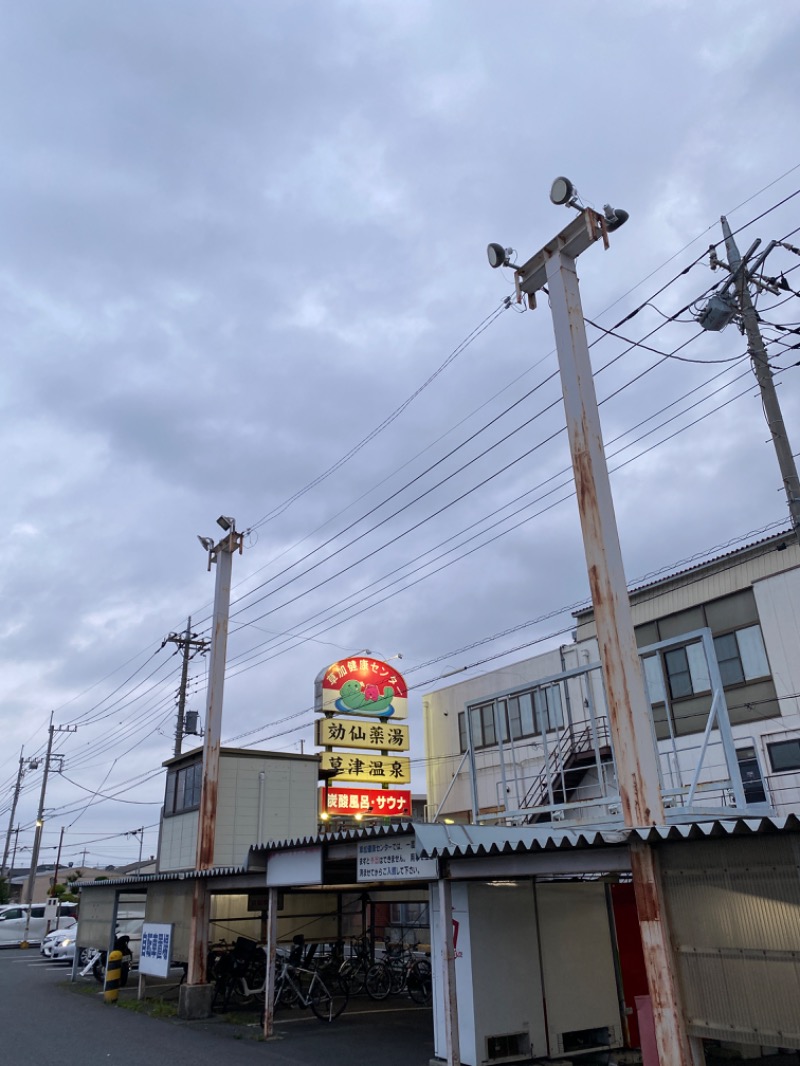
{"x":238,"y":972}
{"x":297,"y":985}
{"x":352,"y":970}
{"x":400,"y":971}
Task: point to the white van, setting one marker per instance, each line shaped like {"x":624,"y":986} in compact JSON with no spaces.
{"x":14,"y":915}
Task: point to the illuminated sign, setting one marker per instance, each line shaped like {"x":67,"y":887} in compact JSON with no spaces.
{"x":368,"y":769}
{"x":372,"y":736}
{"x":364,"y":687}
{"x":371,"y":802}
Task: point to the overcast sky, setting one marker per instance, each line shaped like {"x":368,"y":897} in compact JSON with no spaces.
{"x":238,"y":236}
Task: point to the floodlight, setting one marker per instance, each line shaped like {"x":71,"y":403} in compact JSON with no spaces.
{"x":207,"y":542}
{"x":499,"y":256}
{"x":563,"y":192}
{"x":227,"y":523}
{"x":615,"y":217}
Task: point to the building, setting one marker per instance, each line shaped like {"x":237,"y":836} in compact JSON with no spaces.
{"x":719,"y":645}
{"x":261,"y":796}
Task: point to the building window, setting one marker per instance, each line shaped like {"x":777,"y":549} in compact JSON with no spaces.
{"x":183,"y":789}
{"x":522,"y":715}
{"x":741,"y":655}
{"x":548,"y":708}
{"x":784,"y":755}
{"x":654,"y":679}
{"x":687,"y":671}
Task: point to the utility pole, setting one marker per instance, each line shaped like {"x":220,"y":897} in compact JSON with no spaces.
{"x":554,"y":267}
{"x":14,"y":852}
{"x":187,"y":642}
{"x":37,"y":838}
{"x":741,"y":277}
{"x":58,"y":859}
{"x":222,"y":555}
{"x":140,"y":833}
{"x":17,"y":787}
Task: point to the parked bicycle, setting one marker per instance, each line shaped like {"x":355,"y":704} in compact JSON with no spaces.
{"x":400,"y":970}
{"x":298,"y":985}
{"x":238,"y":972}
{"x":355,"y":966}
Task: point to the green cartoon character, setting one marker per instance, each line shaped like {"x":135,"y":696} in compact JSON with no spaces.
{"x":353,"y":701}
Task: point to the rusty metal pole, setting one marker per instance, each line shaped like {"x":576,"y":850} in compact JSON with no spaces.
{"x":222,"y":555}
{"x":628,"y":707}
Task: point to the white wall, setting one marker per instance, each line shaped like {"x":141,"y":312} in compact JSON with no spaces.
{"x":441,"y":710}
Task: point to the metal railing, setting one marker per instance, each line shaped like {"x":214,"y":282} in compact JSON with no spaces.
{"x":560,"y":762}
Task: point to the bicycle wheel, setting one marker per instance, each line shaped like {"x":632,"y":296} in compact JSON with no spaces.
{"x":328,"y":1000}
{"x":353,"y":975}
{"x":378,"y":981}
{"x":420,"y":984}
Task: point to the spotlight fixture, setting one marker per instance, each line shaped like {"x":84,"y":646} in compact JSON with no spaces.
{"x":227,"y":524}
{"x":615,"y":217}
{"x":564,"y":194}
{"x":499,"y":256}
{"x":207,"y":542}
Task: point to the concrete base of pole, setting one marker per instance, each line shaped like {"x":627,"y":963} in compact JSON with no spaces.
{"x":194,"y":1002}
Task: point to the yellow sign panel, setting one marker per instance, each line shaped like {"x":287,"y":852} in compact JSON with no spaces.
{"x":372,"y":736}
{"x":375,"y":769}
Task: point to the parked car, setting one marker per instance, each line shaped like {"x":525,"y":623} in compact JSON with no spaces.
{"x":13,"y":917}
{"x":63,"y":949}
{"x":49,"y":942}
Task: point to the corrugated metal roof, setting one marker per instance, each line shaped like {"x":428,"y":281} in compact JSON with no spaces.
{"x":434,"y":839}
{"x":664,"y":579}
{"x":459,"y":841}
{"x":173,"y":875}
{"x":341,"y":836}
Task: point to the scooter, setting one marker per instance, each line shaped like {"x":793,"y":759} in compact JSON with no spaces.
{"x":98,"y":964}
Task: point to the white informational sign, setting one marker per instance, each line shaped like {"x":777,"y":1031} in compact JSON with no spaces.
{"x":156,"y":949}
{"x":394,"y":860}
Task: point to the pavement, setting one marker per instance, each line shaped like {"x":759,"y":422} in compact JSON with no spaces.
{"x":46,"y":1021}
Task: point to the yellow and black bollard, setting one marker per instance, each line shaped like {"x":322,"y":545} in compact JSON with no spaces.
{"x":113,"y":977}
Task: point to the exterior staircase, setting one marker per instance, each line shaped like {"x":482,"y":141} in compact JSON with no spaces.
{"x":567,"y":762}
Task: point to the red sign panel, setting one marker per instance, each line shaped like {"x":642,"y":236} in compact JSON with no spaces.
{"x":369,"y":802}
{"x":362,"y":686}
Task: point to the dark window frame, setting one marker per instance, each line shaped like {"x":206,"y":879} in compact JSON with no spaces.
{"x":783,"y":745}
{"x":512,"y":716}
{"x":183,"y":789}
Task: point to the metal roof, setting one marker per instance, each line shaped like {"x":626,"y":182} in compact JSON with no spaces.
{"x":666,"y":578}
{"x":438,"y":840}
{"x":172,"y":875}
{"x":459,"y":841}
{"x":341,"y":836}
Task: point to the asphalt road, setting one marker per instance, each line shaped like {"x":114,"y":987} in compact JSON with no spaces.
{"x":45,"y":1022}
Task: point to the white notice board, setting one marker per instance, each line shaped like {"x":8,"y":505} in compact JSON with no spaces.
{"x":394,"y":860}
{"x":156,"y":949}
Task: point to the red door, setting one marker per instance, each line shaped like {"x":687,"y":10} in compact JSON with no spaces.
{"x":631,"y":957}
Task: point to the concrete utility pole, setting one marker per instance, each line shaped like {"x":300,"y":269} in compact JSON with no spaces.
{"x":628,"y":706}
{"x":189,"y":642}
{"x":221,"y":554}
{"x":140,"y":833}
{"x":37,"y":838}
{"x":740,"y":281}
{"x":17,"y":787}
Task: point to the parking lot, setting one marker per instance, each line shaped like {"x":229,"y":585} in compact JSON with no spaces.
{"x":46,"y":1019}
